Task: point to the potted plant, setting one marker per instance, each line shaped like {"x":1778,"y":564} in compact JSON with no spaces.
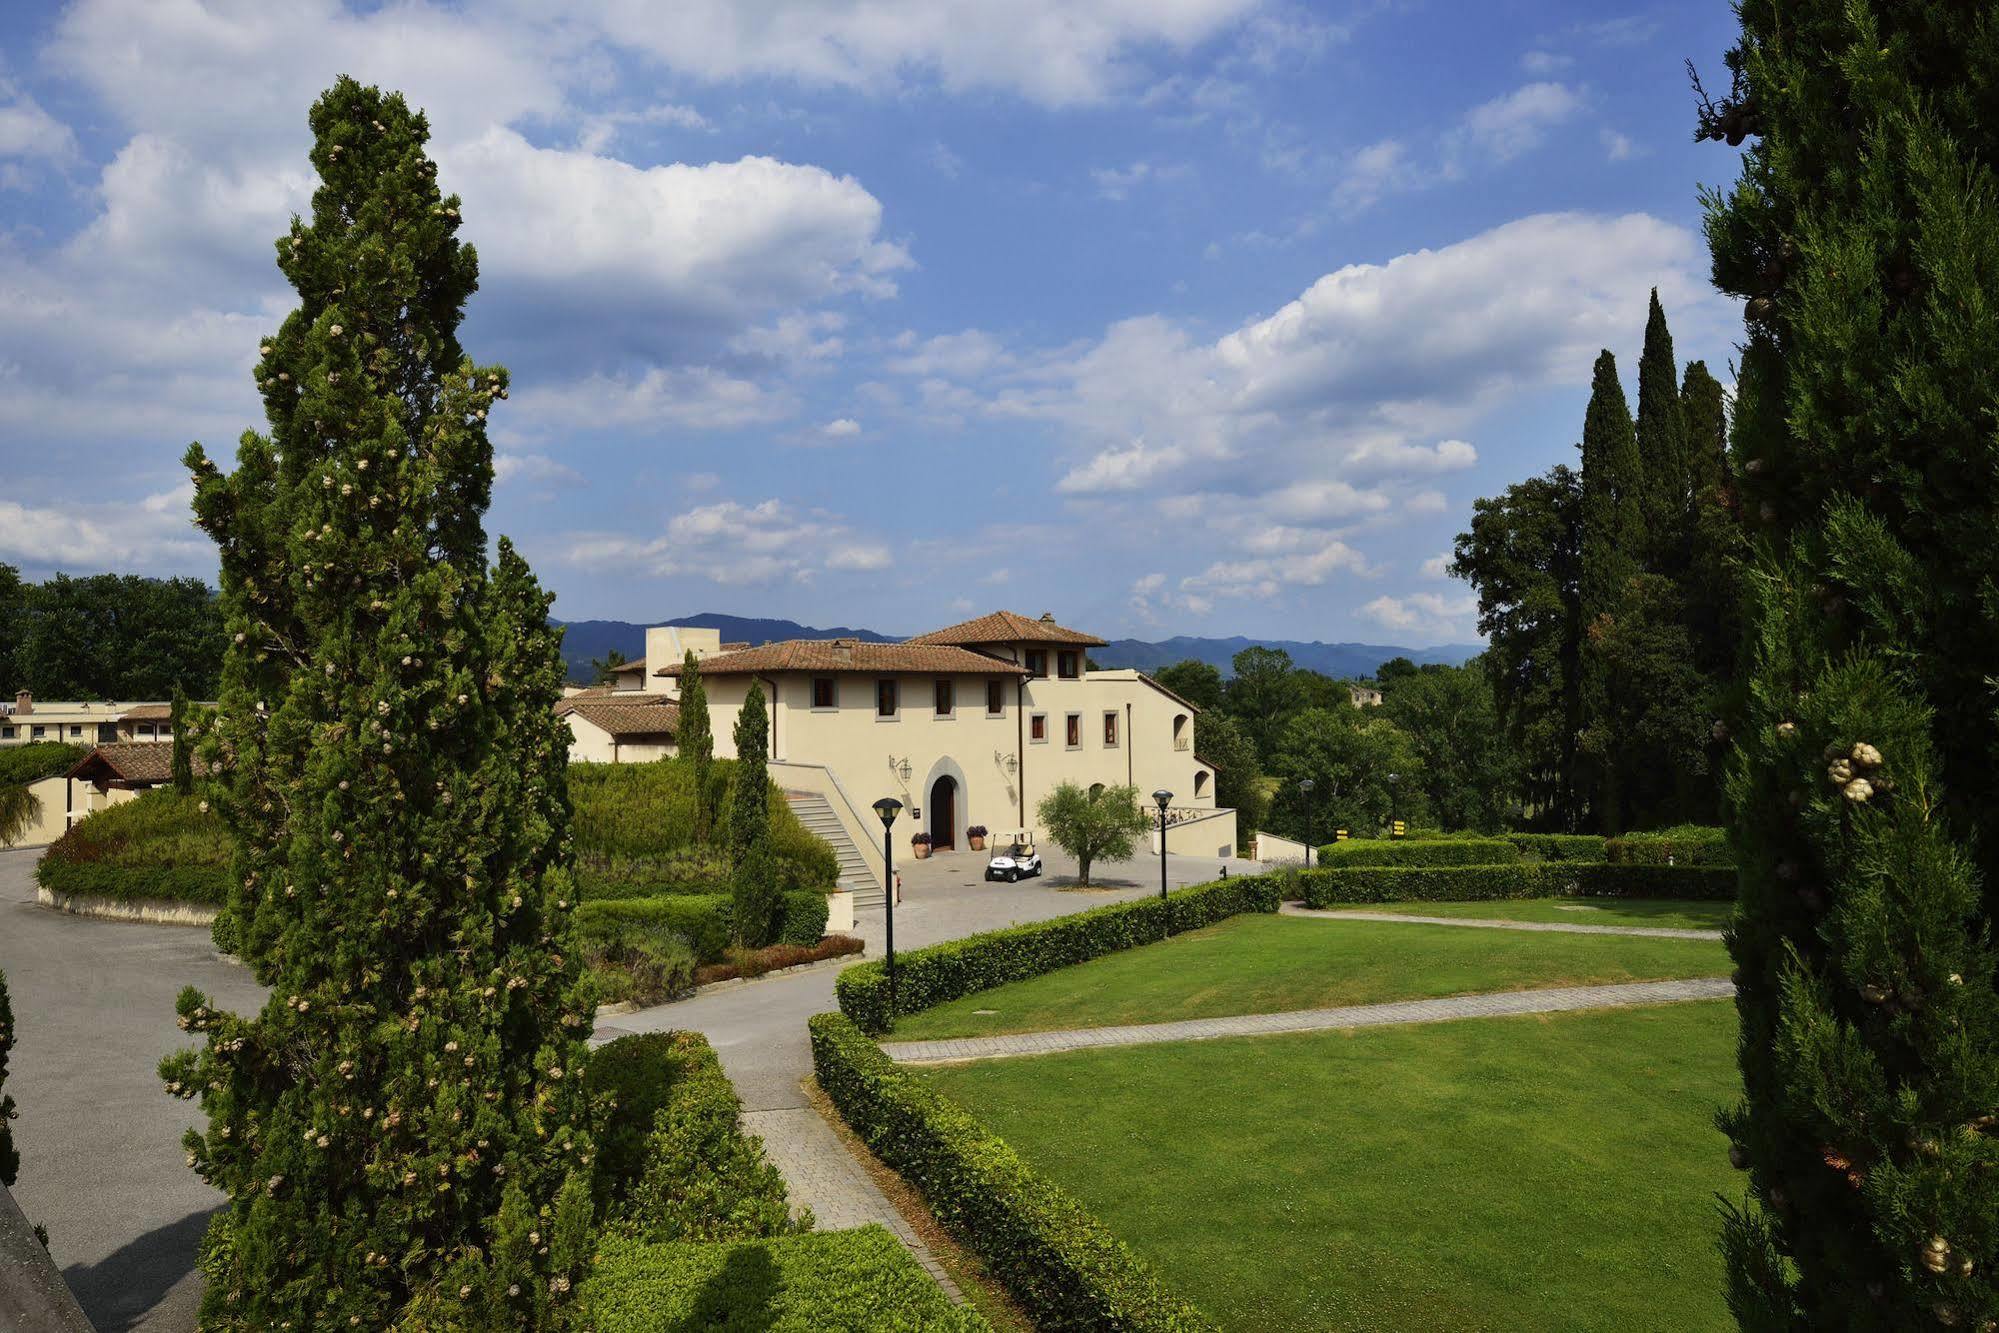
{"x":920,"y":844}
{"x":976,"y":836}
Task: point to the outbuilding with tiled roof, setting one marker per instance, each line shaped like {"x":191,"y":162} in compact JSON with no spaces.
{"x":832,"y":656}
{"x":1008,"y":627}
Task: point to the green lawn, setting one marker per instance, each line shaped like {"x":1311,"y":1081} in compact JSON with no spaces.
{"x":1266,"y":964}
{"x":1545,"y":1172}
{"x":1673,"y":912}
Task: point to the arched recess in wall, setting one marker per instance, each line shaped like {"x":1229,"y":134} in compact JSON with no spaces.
{"x":938,"y":819}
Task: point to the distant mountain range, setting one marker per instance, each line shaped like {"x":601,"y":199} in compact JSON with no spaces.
{"x":588,"y":640}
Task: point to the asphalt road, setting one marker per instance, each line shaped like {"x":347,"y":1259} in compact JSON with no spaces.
{"x":101,"y":1162}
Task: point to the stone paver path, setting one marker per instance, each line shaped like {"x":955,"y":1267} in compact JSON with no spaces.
{"x":1495,"y":923}
{"x":1553,"y":1000}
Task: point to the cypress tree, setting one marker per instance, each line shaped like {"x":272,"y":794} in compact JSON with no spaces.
{"x":1662,"y":444}
{"x":1864,"y":231}
{"x":183,"y":758}
{"x":753,"y":874}
{"x":401,"y":1130}
{"x":697,"y":741}
{"x":1613,"y":544}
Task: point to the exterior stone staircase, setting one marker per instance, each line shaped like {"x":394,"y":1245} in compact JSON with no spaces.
{"x":816,"y":813}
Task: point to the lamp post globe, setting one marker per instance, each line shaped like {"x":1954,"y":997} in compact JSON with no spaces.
{"x":1305,"y":786}
{"x":1164,"y":799}
{"x":888,"y":808}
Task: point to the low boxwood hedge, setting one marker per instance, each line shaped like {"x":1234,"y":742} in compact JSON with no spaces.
{"x":860,"y":1281}
{"x":1426,"y":852}
{"x":22,"y":764}
{"x":1057,"y":1260}
{"x":930,"y":976}
{"x":1687,"y":845}
{"x":704,"y":919}
{"x":1528,"y":879}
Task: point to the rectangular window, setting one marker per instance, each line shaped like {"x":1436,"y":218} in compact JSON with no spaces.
{"x":39,"y":731}
{"x":995,"y":698}
{"x":1037,"y":727}
{"x":825,"y":692}
{"x":107,"y":732}
{"x":1075,"y":731}
{"x":6,"y":733}
{"x":885,"y":698}
{"x":1037,"y":663}
{"x":946,"y":698}
{"x":1110,"y":729}
{"x":76,"y":728}
{"x":1066,"y":665}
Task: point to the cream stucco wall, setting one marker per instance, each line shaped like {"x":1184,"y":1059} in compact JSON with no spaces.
{"x":591,"y":744}
{"x":63,"y":802}
{"x":972,"y":747}
{"x":74,"y":723}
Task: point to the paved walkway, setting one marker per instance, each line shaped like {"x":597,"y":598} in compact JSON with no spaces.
{"x":1554,"y":1000}
{"x":1497,"y":923}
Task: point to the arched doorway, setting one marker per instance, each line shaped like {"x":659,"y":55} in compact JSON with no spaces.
{"x":943,"y":806}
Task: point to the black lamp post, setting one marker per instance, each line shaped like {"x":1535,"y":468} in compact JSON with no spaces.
{"x":1305,"y":786}
{"x":1391,"y":805}
{"x":1162,"y":796}
{"x":888,"y":808}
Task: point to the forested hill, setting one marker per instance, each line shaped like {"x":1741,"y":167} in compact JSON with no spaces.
{"x":587,"y":640}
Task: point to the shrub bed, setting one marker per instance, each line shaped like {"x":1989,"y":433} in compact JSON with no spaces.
{"x":1441,"y":851}
{"x":930,"y":976}
{"x":1444,"y":884}
{"x":756,"y":962}
{"x":158,"y":847}
{"x":636,"y":822}
{"x":860,"y":1281}
{"x":703,"y":919}
{"x":1686,"y":845}
{"x":1057,"y":1260}
{"x":21,"y":764}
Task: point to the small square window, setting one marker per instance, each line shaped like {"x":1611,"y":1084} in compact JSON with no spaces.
{"x":6,"y":733}
{"x":946,"y":698}
{"x":1067,"y":664}
{"x":38,"y":731}
{"x":1110,"y":729}
{"x":1037,"y":727}
{"x":1074,"y":735}
{"x":885,"y":699}
{"x":995,"y":698}
{"x":76,"y":728}
{"x":1037,"y":663}
{"x":825,"y":692}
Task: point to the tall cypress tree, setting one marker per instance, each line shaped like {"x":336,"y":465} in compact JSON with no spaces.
{"x":1613,"y":546}
{"x":1662,"y":443}
{"x":1864,"y":232}
{"x":697,"y":740}
{"x":401,"y":1130}
{"x":753,"y":876}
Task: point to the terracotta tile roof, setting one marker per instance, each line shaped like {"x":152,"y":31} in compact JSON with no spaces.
{"x":1007,"y":627}
{"x":138,"y":763}
{"x":634,"y":664}
{"x":147,"y":713}
{"x":628,"y":719}
{"x":735,"y":647}
{"x":835,"y":655}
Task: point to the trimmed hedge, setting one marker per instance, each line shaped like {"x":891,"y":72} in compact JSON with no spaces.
{"x":158,"y":846}
{"x":1687,"y":845}
{"x":1559,"y":846}
{"x":703,"y":918}
{"x":860,"y":1281}
{"x":637,"y":820}
{"x":926,"y":977}
{"x":22,"y":764}
{"x":1528,"y":879}
{"x":1058,"y":1261}
{"x":632,"y":1077}
{"x":1426,"y":852}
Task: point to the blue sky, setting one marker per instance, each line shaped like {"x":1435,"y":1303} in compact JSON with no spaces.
{"x":1170,"y":316}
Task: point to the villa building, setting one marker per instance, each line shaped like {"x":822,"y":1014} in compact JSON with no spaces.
{"x":26,"y":721}
{"x":971,"y":725}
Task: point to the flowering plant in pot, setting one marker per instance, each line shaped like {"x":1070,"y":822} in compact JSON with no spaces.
{"x":976,"y":836}
{"x":920,"y":844}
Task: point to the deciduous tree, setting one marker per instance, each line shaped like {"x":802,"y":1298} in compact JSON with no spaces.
{"x":1093,"y":826}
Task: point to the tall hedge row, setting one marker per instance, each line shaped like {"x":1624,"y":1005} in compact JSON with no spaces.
{"x":930,"y":976}
{"x":1056,"y":1259}
{"x":20,"y":764}
{"x":1423,"y":852}
{"x":159,"y":846}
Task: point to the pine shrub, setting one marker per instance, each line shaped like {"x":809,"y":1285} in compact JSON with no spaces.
{"x":402,"y":1130}
{"x":1864,"y":233}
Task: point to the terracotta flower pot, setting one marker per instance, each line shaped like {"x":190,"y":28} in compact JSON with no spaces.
{"x":922,"y":850}
{"x":978,"y":844}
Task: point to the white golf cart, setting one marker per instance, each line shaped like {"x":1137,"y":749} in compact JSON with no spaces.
{"x":1016,"y":861}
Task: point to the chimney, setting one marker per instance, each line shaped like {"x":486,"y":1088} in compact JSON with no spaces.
{"x":1047,"y":617}
{"x":24,"y":704}
{"x":843,"y":651}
